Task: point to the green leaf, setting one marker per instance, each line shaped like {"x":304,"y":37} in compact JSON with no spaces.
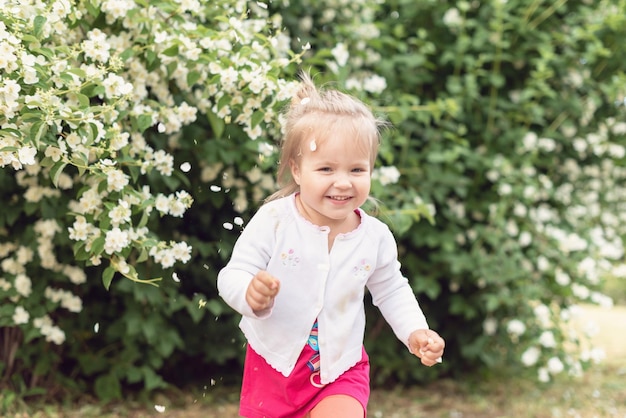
{"x":144,"y":122}
{"x":192,"y":77}
{"x":145,"y":216}
{"x":215,"y":307}
{"x":79,"y":251}
{"x":108,"y":388}
{"x":83,"y":100}
{"x":217,"y":125}
{"x":27,"y":39}
{"x":133,"y":374}
{"x":107,"y":277}
{"x":97,"y":246}
{"x":92,"y":9}
{"x":143,"y":255}
{"x":38,"y":23}
{"x":172,"y":51}
{"x":128,"y":52}
{"x":56,"y":171}
{"x":152,"y":380}
{"x":256,"y":118}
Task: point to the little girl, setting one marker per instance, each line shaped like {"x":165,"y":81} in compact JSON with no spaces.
{"x":299,"y":270}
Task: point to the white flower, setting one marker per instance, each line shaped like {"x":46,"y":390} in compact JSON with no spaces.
{"x":54,"y":334}
{"x":542,"y":263}
{"x":452,"y":18}
{"x":116,"y":86}
{"x":516,"y":327}
{"x":505,"y":189}
{"x":547,"y":339}
{"x":181,"y":251}
{"x":386,"y":175}
{"x":120,"y":214}
{"x":116,"y":240}
{"x":542,"y":313}
{"x":20,"y":316}
{"x":530,"y":141}
{"x":490,"y":325}
{"x":71,"y":302}
{"x":47,"y":228}
{"x":580,"y":291}
{"x":75,"y":274}
{"x":117,"y":9}
{"x":211,"y":172}
{"x":562,"y":277}
{"x":26,"y":155}
{"x":531,"y":356}
{"x":162,"y":204}
{"x":340,"y":53}
{"x":546,"y":144}
{"x":116,"y":180}
{"x":240,"y":203}
{"x":177,"y":208}
{"x":166,"y":258}
{"x":580,"y":145}
{"x":555,"y":365}
{"x":597,"y":355}
{"x":79,"y":231}
{"x":375,"y":84}
{"x":525,"y":238}
{"x":23,"y":285}
{"x":617,"y":151}
{"x":164,"y":162}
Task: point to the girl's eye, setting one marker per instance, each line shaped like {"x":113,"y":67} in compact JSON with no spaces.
{"x":325,"y":169}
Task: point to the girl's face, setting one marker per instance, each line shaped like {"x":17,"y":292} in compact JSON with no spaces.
{"x":334,"y":179}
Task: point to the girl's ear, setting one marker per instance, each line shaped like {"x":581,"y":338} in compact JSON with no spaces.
{"x":295,"y":171}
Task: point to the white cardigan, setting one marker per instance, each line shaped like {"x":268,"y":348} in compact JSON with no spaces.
{"x":317,"y":284}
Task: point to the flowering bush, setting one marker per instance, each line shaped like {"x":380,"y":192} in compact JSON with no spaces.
{"x":95,"y":97}
{"x":508,"y":133}
{"x":137,"y":137}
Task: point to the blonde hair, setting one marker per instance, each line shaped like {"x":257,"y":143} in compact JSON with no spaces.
{"x":323,"y":112}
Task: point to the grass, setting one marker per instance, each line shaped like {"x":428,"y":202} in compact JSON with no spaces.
{"x":601,"y":392}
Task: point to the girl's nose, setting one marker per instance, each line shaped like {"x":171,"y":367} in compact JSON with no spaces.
{"x":343,"y":182}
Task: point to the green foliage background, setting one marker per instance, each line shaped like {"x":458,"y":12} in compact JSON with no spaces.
{"x":464,"y":92}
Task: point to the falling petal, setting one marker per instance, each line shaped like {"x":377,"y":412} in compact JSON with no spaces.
{"x":305,"y":101}
{"x":261,"y":5}
{"x":175,"y":277}
{"x":238,"y":221}
{"x":159,"y":408}
{"x":228,"y":225}
{"x":96,"y":327}
{"x":215,"y":188}
{"x":185,"y":167}
{"x":313,"y":145}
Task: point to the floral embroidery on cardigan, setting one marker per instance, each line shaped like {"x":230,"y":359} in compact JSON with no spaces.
{"x":289,"y":258}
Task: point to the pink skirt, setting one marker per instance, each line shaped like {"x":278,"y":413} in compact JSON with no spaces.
{"x":266,"y":393}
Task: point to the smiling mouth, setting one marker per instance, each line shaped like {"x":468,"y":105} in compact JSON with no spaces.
{"x":340,"y":198}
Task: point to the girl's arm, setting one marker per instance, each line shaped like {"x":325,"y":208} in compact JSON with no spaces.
{"x":251,"y":254}
{"x":392,"y":293}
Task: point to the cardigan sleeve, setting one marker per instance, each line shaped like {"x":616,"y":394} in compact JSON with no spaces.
{"x":392,"y":293}
{"x":251,"y":253}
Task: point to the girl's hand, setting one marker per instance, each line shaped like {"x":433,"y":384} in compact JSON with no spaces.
{"x":427,"y":345}
{"x":262,"y":290}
